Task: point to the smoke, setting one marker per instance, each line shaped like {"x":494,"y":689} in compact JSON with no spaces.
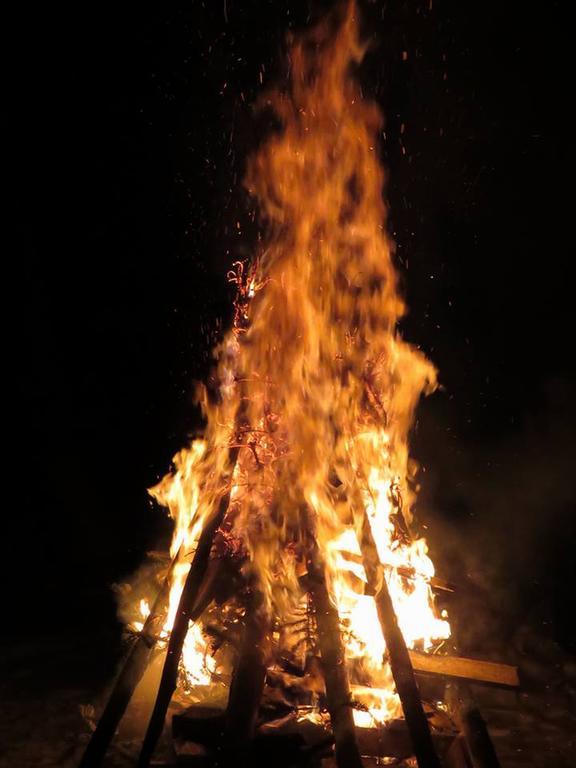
{"x":502,"y":522}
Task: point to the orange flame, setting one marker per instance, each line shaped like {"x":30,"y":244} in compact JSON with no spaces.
{"x":326,"y":385}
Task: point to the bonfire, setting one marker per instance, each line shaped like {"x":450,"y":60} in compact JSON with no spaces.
{"x":299,"y":585}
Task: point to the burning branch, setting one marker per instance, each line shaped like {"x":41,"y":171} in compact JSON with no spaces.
{"x":184,"y":616}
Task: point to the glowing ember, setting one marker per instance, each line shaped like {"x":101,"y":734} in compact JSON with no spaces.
{"x":325,"y":385}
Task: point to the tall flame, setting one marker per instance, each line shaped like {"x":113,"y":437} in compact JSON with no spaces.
{"x":325,"y":385}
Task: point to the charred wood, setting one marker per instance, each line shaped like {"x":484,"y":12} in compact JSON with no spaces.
{"x":247,"y":684}
{"x":333,"y":661}
{"x":398,"y":654}
{"x":133,"y":669}
{"x":204,"y":726}
{"x":184,"y":615}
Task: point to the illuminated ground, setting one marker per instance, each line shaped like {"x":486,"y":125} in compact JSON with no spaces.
{"x":49,"y":687}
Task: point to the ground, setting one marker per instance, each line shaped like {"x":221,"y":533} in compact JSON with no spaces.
{"x":52,"y":690}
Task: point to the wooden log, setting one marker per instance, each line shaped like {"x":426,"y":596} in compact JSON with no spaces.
{"x":204,"y":726}
{"x":436,"y":582}
{"x":247,"y":684}
{"x":333,"y":660}
{"x":468,"y":669}
{"x":405,"y":682}
{"x":397,"y":652}
{"x":390,"y":740}
{"x":135,"y":665}
{"x":189,"y":595}
{"x":469,"y":720}
{"x":130,"y":675}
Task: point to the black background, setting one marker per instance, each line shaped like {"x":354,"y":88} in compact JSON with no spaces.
{"x":131,"y":126}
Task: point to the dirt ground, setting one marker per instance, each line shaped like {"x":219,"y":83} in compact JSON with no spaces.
{"x":51,"y":692}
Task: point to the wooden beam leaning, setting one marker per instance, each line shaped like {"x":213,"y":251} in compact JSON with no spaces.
{"x":467,"y":669}
{"x":130,"y":675}
{"x":400,"y":663}
{"x":136,"y":662}
{"x":189,"y":595}
{"x":333,"y":661}
{"x":247,"y":685}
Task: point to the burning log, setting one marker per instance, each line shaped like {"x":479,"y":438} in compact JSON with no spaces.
{"x":134,"y":667}
{"x":436,"y":583}
{"x":184,"y":615}
{"x":439,"y":584}
{"x":405,"y":681}
{"x":400,"y":662}
{"x":247,"y":683}
{"x":294,"y":639}
{"x":333,"y":661}
{"x":393,"y":740}
{"x":292,"y":740}
{"x":324,"y":319}
{"x":467,"y":669}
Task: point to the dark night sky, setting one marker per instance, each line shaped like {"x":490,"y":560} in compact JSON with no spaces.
{"x":131,"y":126}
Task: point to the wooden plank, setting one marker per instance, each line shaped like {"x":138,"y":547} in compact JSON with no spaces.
{"x":468,"y":669}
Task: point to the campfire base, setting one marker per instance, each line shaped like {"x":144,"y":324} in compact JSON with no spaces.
{"x":199,"y":733}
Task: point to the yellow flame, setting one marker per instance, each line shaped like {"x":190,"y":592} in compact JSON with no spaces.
{"x":325,"y":385}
